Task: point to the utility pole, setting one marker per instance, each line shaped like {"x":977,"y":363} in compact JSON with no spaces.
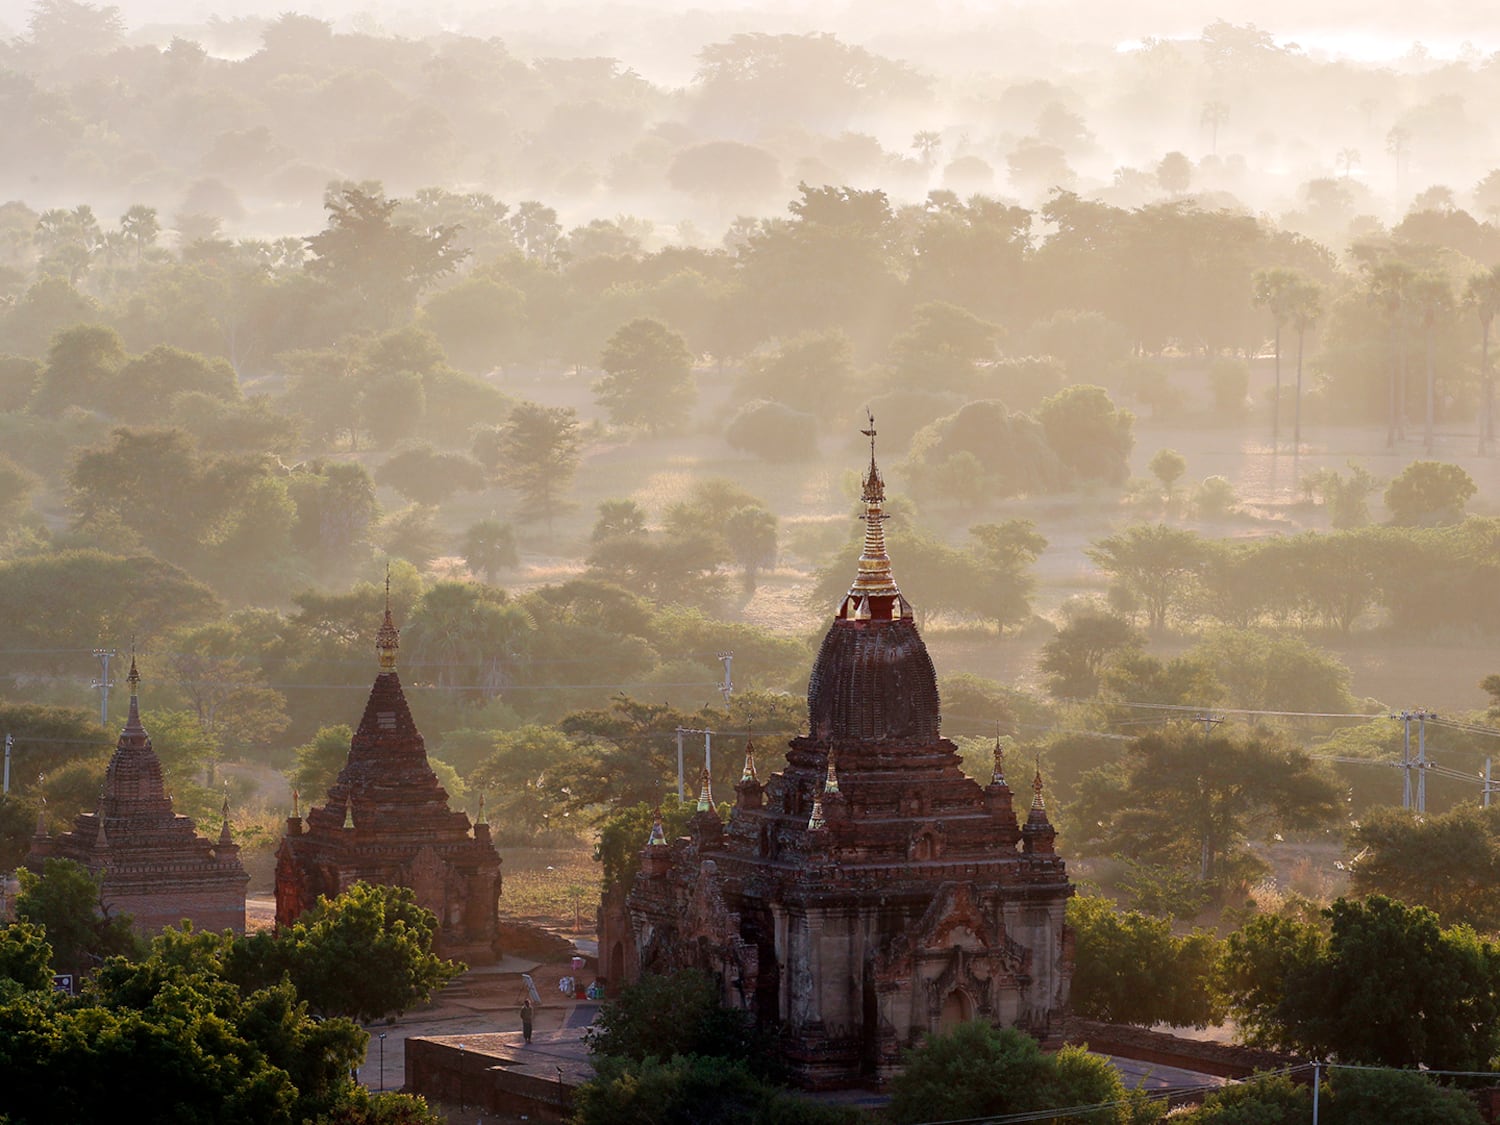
{"x":102,"y":684}
{"x":727,"y":688}
{"x":1209,"y":722}
{"x":1420,"y":763}
{"x":1405,"y":718}
{"x":1486,"y":802}
{"x":10,"y":742}
{"x":708,"y":754}
{"x":680,"y":733}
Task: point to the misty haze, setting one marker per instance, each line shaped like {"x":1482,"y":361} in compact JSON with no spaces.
{"x":579,"y":338}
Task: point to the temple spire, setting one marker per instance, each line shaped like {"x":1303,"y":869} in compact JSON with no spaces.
{"x":1037,"y":805}
{"x":387,"y":640}
{"x":133,"y":718}
{"x":749,"y":774}
{"x":224,"y":837}
{"x":998,"y":777}
{"x":705,"y":792}
{"x":875,"y":578}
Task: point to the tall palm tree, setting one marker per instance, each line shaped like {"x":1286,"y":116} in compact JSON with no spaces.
{"x":1389,"y":282}
{"x":1305,"y":306}
{"x":1348,"y":158}
{"x":1482,"y":294}
{"x":1272,"y":289}
{"x":1432,"y":296}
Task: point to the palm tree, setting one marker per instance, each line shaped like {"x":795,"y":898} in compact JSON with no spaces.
{"x":1214,"y":114}
{"x":1272,"y":289}
{"x":1432,"y":295}
{"x":1389,"y":282}
{"x":1482,"y":294}
{"x":1304,"y":306}
{"x":1398,"y":143}
{"x":927,"y":142}
{"x":1348,"y":158}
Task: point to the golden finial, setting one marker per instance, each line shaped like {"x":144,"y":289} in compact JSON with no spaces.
{"x":749,"y":774}
{"x":387,"y":640}
{"x":831,"y":779}
{"x":480,"y":818}
{"x":348,"y":812}
{"x":297,"y":804}
{"x":705,"y":792}
{"x":999,"y":775}
{"x":874,"y":578}
{"x":1036,"y":787}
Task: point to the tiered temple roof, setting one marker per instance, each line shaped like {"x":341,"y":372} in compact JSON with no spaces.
{"x":386,"y":820}
{"x":155,"y":866}
{"x":870,"y":891}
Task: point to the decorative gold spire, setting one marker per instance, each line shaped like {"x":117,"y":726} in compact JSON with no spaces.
{"x":705,"y":792}
{"x":480,"y":818}
{"x":831,"y":779}
{"x":387,"y":640}
{"x":296,"y":804}
{"x":816,"y":820}
{"x":748,"y":773}
{"x":133,"y":718}
{"x":874,"y":564}
{"x":348,"y":813}
{"x":224,"y":837}
{"x":998,"y":778}
{"x":658,"y":836}
{"x":1036,"y":787}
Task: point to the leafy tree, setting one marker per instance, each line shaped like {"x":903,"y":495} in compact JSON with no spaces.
{"x":468,"y":637}
{"x":479,"y":321}
{"x":942,"y":347}
{"x":667,"y":568}
{"x":664,"y":1015}
{"x":648,"y":377}
{"x":539,"y":454}
{"x":1426,"y":493}
{"x":141,"y":391}
{"x":624,"y":833}
{"x":529,"y":769}
{"x":336,"y":511}
{"x":1167,"y":466}
{"x":81,"y":362}
{"x":411,"y":533}
{"x":1370,"y":1097}
{"x":1006,"y":552}
{"x":1131,"y":968}
{"x":694,"y":1088}
{"x":426,"y":476}
{"x":319,"y":761}
{"x":1263,"y":1099}
{"x":364,"y":954}
{"x":1273,"y":292}
{"x":1088,"y":432}
{"x":1386,"y":987}
{"x":66,"y":900}
{"x":618,"y":517}
{"x":1449,"y":862}
{"x":1344,"y":497}
{"x":1137,"y":677}
{"x":1183,"y":799}
{"x":1275,"y":672}
{"x":750,"y":531}
{"x":489,"y":547}
{"x":809,"y":372}
{"x":977,"y":1070}
{"x":1071,"y":660}
{"x":1152,"y":564}
{"x":365,"y":250}
{"x":773,"y":432}
{"x":25,"y":956}
{"x":391,"y":406}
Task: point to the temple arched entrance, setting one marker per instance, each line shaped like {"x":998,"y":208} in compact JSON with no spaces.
{"x":957,"y":1009}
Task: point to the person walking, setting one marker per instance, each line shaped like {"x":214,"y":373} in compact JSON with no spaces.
{"x":527,"y":1015}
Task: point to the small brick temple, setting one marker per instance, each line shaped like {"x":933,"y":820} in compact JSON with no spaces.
{"x":155,"y":866}
{"x":387,"y":821}
{"x":871,"y":891}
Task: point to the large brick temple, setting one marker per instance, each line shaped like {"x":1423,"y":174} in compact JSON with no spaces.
{"x":871,"y":891}
{"x":387,"y":821}
{"x":153,"y":864}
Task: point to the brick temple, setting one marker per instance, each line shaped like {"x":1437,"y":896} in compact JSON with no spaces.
{"x":154,"y":865}
{"x":387,"y":821}
{"x":870,"y":892}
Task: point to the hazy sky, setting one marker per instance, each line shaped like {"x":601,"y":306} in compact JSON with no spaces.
{"x":1362,"y":30}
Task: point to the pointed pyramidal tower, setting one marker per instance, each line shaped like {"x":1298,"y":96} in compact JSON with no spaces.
{"x":154,"y":865}
{"x":386,"y":820}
